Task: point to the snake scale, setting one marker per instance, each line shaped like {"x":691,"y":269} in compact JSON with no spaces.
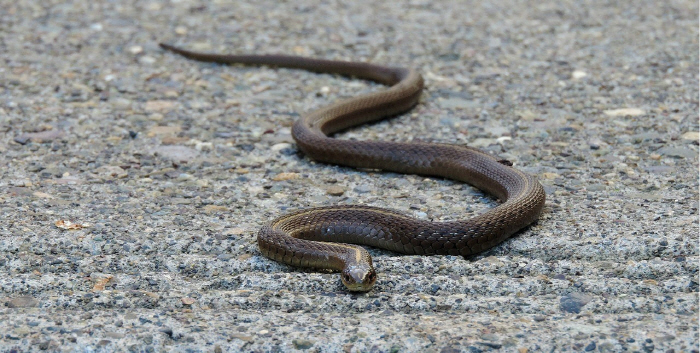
{"x":319,"y":237}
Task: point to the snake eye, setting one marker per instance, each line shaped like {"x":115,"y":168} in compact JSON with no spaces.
{"x":346,"y":278}
{"x":372,"y":277}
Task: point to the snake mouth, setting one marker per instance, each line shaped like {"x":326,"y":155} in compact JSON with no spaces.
{"x":358,"y":279}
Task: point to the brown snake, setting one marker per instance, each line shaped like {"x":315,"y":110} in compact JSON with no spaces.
{"x":303,"y":238}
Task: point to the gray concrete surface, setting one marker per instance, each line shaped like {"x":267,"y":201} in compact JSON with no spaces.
{"x":173,"y":165}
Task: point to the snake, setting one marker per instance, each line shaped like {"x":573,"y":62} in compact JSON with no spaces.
{"x":329,"y":237}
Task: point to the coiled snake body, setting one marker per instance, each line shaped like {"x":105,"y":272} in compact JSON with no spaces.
{"x":316,"y":237}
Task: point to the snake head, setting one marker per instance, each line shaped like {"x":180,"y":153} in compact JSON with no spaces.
{"x":358,"y":278}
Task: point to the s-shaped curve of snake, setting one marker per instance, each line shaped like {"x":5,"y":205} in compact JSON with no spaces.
{"x":319,"y":237}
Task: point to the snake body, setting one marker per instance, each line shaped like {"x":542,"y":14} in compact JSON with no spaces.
{"x":319,"y":237}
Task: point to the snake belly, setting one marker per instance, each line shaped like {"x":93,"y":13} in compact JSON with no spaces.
{"x":321,"y":237}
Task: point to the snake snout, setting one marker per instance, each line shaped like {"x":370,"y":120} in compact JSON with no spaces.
{"x":358,"y":278}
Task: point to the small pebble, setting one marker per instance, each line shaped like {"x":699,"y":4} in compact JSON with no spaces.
{"x":22,"y":302}
{"x":624,"y":112}
{"x":136,"y":49}
{"x":302,"y":344}
{"x":578,"y":74}
{"x":691,"y":136}
{"x":286,"y":176}
{"x":573,"y":302}
{"x":361,"y":189}
{"x":335,"y":190}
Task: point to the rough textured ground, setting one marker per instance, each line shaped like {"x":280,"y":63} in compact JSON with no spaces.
{"x":174,"y":165}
